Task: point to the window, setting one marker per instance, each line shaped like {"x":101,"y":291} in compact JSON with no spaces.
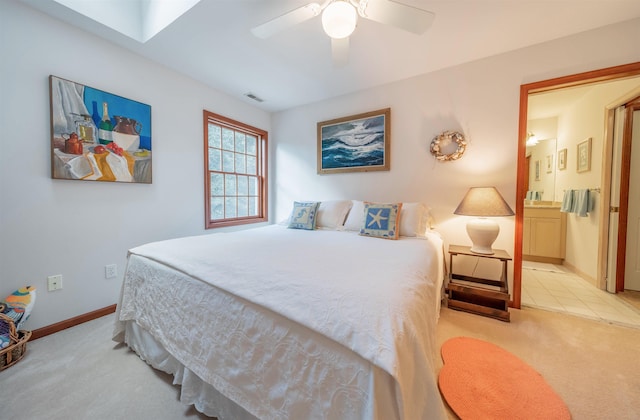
{"x":235,"y":172}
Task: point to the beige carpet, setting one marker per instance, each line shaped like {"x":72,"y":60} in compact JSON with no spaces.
{"x":80,"y":373}
{"x":592,"y":365}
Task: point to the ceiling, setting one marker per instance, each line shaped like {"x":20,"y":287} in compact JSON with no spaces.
{"x":557,"y":101}
{"x":212,"y":43}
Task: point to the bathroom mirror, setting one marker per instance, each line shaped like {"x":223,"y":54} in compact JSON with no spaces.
{"x":542,"y":159}
{"x":541,"y":153}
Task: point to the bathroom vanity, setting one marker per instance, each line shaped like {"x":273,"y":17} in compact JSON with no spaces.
{"x":544,"y":232}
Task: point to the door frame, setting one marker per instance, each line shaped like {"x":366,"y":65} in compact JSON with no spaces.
{"x":601,"y":75}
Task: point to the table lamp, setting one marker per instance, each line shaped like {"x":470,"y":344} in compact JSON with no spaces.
{"x":483,"y":202}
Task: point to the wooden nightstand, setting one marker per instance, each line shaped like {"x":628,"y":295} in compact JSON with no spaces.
{"x":478,"y":295}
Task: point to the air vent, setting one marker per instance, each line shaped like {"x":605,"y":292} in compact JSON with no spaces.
{"x":254,"y":97}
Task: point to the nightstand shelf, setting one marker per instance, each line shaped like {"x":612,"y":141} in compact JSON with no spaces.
{"x":477,"y":295}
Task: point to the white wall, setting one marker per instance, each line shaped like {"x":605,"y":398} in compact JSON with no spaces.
{"x":586,"y":119}
{"x":479,"y":98}
{"x":75,"y":228}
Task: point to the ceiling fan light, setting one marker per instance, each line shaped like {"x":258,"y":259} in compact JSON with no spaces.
{"x":339,"y":19}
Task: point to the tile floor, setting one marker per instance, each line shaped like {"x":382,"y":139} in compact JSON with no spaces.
{"x":554,"y":288}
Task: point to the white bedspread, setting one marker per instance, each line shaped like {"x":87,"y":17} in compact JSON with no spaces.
{"x":374,"y":297}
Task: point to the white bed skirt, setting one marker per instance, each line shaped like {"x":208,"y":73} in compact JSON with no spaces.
{"x":193,"y":391}
{"x":207,"y":400}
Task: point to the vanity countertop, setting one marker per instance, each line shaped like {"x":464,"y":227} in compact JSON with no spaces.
{"x":541,"y":205}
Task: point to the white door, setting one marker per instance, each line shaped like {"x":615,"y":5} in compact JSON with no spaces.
{"x":632,"y":261}
{"x":612,"y":255}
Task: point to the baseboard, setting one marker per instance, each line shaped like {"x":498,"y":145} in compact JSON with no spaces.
{"x":548,"y":260}
{"x":71,"y":322}
{"x":582,"y":274}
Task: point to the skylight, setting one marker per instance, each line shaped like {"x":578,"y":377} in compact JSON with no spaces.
{"x":137,"y":19}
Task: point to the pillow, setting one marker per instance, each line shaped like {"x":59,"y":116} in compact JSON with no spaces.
{"x":414,"y":219}
{"x":381,"y":220}
{"x":304,"y":215}
{"x":331,"y":214}
{"x":355,"y":218}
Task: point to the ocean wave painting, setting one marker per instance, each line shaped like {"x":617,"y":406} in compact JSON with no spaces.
{"x":357,"y":143}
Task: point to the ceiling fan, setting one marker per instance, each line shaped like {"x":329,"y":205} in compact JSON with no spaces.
{"x":340,"y":17}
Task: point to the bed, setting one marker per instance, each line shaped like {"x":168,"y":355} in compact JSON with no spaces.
{"x":280,"y":323}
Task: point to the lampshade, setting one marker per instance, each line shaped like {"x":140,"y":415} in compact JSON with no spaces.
{"x":339,"y":19}
{"x":483,"y":202}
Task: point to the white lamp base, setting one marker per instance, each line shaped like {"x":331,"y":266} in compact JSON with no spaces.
{"x":483,"y":233}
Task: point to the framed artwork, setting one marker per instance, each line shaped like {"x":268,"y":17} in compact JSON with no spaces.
{"x":358,"y":143}
{"x":562,"y":159}
{"x":549,"y":164}
{"x":584,"y":155}
{"x":537,"y":177}
{"x":98,"y":136}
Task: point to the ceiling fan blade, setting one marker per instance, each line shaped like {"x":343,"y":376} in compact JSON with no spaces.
{"x":287,"y":20}
{"x":340,"y":51}
{"x":399,"y":15}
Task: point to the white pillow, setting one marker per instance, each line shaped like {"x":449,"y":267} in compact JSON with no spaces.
{"x":332,"y":213}
{"x":414,"y":219}
{"x":355,"y":219}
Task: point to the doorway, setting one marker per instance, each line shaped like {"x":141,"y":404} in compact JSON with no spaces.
{"x":604,"y":75}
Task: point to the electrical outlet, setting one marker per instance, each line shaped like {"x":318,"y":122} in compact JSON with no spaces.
{"x":54,"y":282}
{"x":110,"y":271}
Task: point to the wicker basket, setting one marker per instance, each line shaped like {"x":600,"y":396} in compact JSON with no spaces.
{"x":15,"y":351}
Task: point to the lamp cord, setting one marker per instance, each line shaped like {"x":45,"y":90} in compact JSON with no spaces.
{"x":476,"y":266}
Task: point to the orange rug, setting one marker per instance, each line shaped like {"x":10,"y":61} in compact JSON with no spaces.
{"x":480,"y":380}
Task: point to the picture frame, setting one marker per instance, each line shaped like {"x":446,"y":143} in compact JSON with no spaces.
{"x":357,"y":143}
{"x":549,"y":163}
{"x":97,"y":135}
{"x":584,"y":156}
{"x":537,"y":170}
{"x":562,"y":159}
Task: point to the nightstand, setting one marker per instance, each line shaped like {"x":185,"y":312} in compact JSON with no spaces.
{"x":479,"y":295}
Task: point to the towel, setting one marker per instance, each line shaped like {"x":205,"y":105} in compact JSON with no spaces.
{"x":533,"y":195}
{"x":582,"y":202}
{"x":567,"y":202}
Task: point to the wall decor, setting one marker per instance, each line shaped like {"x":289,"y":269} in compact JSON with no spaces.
{"x":448,"y":146}
{"x":537,"y":177}
{"x":584,"y":155}
{"x":98,"y":136}
{"x":358,"y":143}
{"x":562,"y":159}
{"x":549,"y":164}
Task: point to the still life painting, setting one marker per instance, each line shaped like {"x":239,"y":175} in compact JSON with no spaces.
{"x":98,"y":136}
{"x":358,"y":143}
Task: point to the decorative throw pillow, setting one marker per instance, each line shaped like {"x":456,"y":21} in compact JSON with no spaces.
{"x":304,"y":215}
{"x":381,"y":220}
{"x":19,"y":304}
